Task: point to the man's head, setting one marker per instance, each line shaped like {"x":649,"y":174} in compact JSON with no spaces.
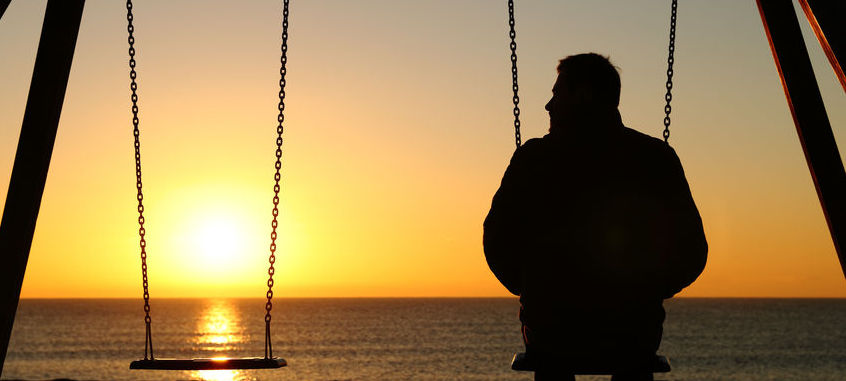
{"x":587,"y":85}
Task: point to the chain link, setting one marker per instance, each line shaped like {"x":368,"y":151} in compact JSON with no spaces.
{"x":277,"y":177}
{"x":670,"y":59}
{"x":514,"y":86}
{"x":148,"y":342}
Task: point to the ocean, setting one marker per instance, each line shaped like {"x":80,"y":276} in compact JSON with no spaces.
{"x":406,"y":338}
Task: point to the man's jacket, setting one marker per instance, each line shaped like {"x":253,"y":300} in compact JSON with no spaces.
{"x":594,"y":224}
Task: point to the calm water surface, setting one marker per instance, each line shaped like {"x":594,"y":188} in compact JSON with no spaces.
{"x":407,"y":339}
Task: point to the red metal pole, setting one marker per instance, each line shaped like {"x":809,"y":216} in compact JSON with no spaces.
{"x":826,"y":18}
{"x":809,"y":116}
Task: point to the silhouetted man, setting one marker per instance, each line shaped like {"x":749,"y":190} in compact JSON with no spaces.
{"x":593,"y":226}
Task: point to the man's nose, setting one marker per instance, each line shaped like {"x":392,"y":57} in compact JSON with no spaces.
{"x":548,"y":106}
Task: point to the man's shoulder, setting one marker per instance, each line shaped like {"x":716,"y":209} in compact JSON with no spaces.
{"x":637,"y":137}
{"x":535,"y":143}
{"x":533,"y":147}
{"x":531,"y":152}
{"x":644,"y":144}
{"x":630,"y":138}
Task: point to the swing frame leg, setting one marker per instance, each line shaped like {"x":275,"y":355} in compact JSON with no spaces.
{"x":32,"y":159}
{"x":809,"y":115}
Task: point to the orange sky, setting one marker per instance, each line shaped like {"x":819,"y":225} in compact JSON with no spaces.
{"x":399,"y":128}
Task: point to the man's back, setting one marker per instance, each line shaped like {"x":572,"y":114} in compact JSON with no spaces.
{"x":593,"y":232}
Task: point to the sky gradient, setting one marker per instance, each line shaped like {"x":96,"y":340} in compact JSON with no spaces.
{"x":398,"y":130}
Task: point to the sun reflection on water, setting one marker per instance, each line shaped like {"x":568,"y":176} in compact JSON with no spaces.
{"x":219,"y":330}
{"x":219,"y":375}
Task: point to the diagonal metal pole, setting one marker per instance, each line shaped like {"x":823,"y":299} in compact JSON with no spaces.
{"x":32,"y":160}
{"x":3,"y":5}
{"x":809,"y":116}
{"x":826,"y":18}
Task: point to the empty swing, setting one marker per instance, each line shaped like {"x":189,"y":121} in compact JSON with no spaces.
{"x":549,"y":365}
{"x":149,"y":361}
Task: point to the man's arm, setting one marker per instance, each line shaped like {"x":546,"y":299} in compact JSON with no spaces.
{"x":503,"y":226}
{"x":685,"y":248}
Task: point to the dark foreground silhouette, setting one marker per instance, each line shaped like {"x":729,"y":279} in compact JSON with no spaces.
{"x":593,"y":226}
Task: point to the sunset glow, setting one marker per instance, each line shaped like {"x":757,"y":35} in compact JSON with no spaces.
{"x":398,"y":129}
{"x":218,"y":242}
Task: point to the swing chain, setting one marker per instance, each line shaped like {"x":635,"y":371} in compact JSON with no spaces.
{"x":670,"y":59}
{"x":514,"y":86}
{"x":283,"y":70}
{"x":148,"y":342}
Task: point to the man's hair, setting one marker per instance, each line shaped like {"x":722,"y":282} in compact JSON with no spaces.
{"x":593,"y":76}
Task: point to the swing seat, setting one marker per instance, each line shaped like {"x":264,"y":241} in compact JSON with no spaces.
{"x":209,"y":364}
{"x":593,"y":366}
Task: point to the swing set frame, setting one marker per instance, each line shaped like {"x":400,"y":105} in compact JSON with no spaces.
{"x":55,"y":55}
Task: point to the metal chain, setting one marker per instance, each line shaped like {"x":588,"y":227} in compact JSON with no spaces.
{"x":514,"y":86}
{"x":670,"y":59}
{"x":268,"y":348}
{"x":148,"y":342}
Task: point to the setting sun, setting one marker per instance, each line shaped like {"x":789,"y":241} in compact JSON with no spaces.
{"x":218,"y":242}
{"x":209,"y":238}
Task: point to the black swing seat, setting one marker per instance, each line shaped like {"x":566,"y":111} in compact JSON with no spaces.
{"x":209,"y":364}
{"x":596,"y":366}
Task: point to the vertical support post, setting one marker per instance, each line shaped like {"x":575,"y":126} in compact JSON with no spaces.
{"x":3,"y":5}
{"x":32,"y":160}
{"x":809,"y":116}
{"x":826,"y":18}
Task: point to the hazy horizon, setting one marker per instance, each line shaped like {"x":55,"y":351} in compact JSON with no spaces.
{"x":411,"y":297}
